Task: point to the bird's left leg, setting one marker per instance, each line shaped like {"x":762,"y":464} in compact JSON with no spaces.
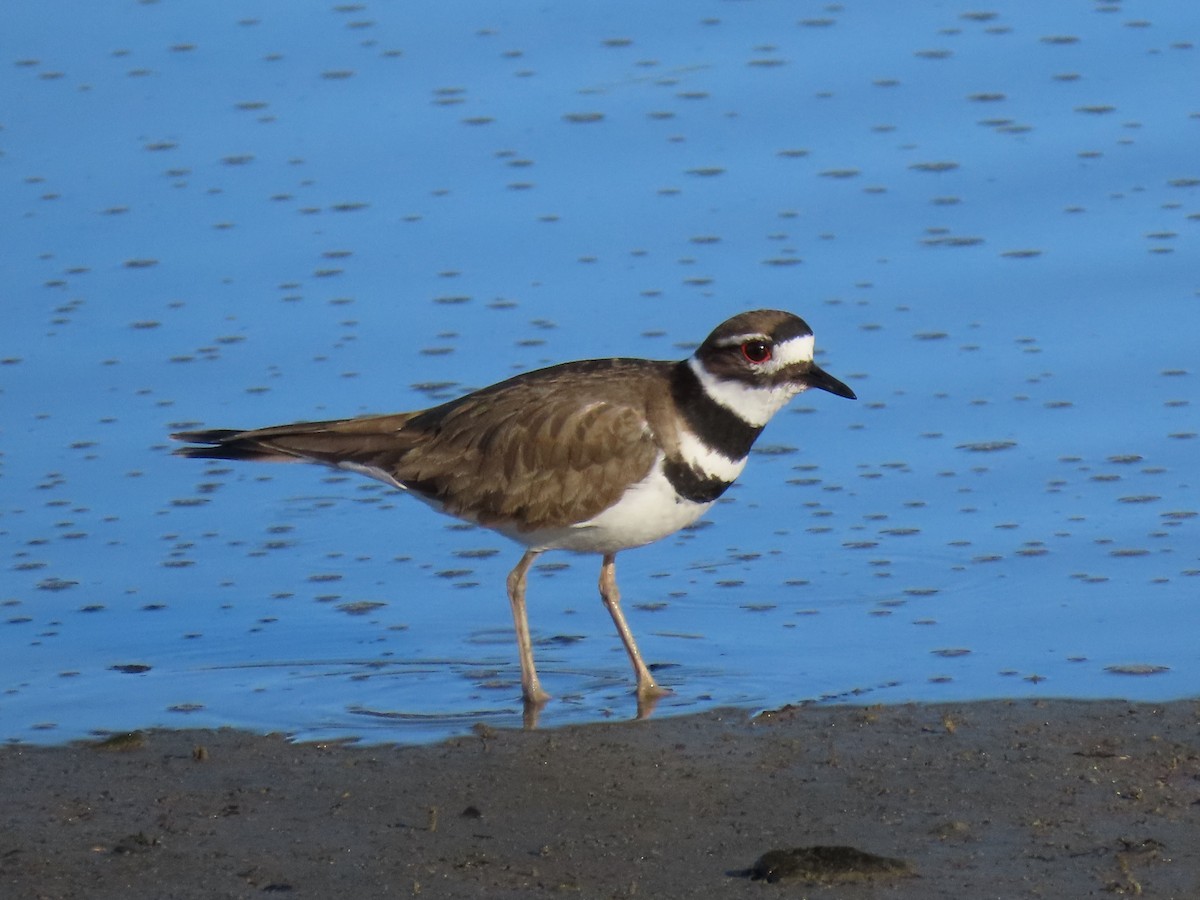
{"x":647,"y":687}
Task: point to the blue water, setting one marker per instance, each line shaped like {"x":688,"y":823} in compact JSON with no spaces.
{"x":232,"y":214}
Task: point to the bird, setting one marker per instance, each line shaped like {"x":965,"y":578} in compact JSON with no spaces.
{"x":594,"y":456}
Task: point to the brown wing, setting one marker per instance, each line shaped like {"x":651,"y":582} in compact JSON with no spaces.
{"x":532,"y":457}
{"x":529,"y":453}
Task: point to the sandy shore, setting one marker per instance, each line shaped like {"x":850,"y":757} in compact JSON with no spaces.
{"x":996,"y":799}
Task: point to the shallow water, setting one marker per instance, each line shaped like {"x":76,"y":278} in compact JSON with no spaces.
{"x":236,"y":215}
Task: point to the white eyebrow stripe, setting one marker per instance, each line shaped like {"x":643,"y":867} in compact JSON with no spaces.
{"x":736,"y":339}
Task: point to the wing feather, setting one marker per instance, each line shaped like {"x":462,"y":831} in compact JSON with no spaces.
{"x":548,"y":465}
{"x":525,"y":454}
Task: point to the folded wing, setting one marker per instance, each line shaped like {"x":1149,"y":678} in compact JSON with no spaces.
{"x":532,"y":456}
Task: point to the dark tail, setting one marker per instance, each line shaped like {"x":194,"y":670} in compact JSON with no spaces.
{"x":227,"y":443}
{"x":372,"y":441}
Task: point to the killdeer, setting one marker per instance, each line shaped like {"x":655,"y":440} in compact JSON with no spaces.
{"x":594,"y":456}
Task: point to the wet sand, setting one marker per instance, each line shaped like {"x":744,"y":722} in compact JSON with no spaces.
{"x":1000,"y":799}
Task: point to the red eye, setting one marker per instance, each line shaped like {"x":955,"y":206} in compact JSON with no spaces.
{"x":756,"y":351}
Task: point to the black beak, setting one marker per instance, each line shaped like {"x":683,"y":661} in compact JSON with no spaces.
{"x":816,"y":377}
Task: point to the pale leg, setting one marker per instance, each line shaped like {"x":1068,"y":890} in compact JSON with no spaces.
{"x":647,"y":687}
{"x":531,"y":689}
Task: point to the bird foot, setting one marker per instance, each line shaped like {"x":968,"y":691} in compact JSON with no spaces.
{"x":648,"y":696}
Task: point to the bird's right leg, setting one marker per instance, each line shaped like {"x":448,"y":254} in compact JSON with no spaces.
{"x":531,"y":688}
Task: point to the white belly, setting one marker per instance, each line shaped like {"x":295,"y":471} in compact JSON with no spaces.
{"x":647,"y":512}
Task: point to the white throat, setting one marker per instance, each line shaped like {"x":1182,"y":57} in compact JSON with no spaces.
{"x":753,"y":405}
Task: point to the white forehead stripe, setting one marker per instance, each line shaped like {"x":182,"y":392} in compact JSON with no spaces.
{"x":794,"y":350}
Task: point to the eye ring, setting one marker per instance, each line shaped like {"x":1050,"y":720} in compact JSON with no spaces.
{"x":756,"y":351}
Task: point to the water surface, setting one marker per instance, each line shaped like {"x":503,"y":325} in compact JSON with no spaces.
{"x":238,"y":214}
